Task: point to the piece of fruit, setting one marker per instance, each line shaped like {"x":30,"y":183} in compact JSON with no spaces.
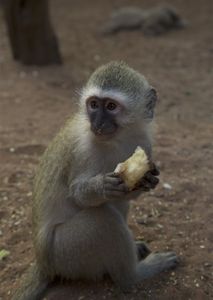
{"x":134,"y":168}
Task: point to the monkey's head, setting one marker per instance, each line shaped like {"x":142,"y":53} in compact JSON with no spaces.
{"x":115,"y":98}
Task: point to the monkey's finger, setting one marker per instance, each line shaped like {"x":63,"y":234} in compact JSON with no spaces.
{"x":121,"y":187}
{"x":113,"y":175}
{"x":154,"y":170}
{"x":113,"y":180}
{"x":152,"y":179}
{"x":146,"y":184}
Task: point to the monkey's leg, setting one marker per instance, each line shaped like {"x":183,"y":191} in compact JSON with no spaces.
{"x":95,"y":242}
{"x":142,"y":249}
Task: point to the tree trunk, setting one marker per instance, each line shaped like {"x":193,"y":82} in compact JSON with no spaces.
{"x":31,"y":35}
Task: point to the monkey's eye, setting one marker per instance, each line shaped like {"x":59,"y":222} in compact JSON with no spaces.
{"x":94,"y":104}
{"x":111,"y":106}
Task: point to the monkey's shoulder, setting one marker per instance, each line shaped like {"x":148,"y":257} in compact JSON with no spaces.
{"x":55,"y":158}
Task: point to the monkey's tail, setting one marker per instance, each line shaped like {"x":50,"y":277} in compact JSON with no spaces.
{"x":34,"y":286}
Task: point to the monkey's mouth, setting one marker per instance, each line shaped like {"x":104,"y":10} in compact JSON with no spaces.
{"x":102,"y":133}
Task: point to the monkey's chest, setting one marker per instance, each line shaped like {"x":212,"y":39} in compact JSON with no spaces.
{"x":107,"y":161}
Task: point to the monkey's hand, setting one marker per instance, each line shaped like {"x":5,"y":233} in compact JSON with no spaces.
{"x":113,"y":187}
{"x":94,"y":191}
{"x":148,"y":181}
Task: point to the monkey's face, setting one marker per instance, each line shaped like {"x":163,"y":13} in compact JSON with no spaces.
{"x":103,"y":115}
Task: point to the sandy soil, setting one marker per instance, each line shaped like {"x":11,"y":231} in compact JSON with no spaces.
{"x":34,"y":103}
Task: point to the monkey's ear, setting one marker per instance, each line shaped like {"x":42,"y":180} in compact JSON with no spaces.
{"x":150,"y":102}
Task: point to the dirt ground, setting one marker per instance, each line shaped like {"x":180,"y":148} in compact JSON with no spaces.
{"x":34,"y":103}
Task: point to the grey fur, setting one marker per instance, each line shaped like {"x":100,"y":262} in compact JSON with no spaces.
{"x":80,"y":207}
{"x":119,"y":77}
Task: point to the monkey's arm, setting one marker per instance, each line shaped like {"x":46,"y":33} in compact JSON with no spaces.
{"x":94,"y":191}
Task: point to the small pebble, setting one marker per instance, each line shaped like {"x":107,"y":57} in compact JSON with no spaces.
{"x":167,"y":186}
{"x":159,"y":226}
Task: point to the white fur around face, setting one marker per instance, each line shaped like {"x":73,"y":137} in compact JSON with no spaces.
{"x":98,"y":92}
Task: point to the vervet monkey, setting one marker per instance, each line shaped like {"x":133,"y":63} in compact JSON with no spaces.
{"x":80,"y":205}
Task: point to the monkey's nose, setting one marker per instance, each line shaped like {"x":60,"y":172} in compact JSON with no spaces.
{"x":96,"y":130}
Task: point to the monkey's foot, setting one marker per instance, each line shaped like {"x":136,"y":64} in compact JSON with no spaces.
{"x":162,"y":261}
{"x":142,"y":250}
{"x":156,"y":263}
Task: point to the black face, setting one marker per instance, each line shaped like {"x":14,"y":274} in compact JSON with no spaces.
{"x":102,"y":114}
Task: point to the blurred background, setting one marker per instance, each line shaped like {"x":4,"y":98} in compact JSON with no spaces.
{"x":41,"y":68}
